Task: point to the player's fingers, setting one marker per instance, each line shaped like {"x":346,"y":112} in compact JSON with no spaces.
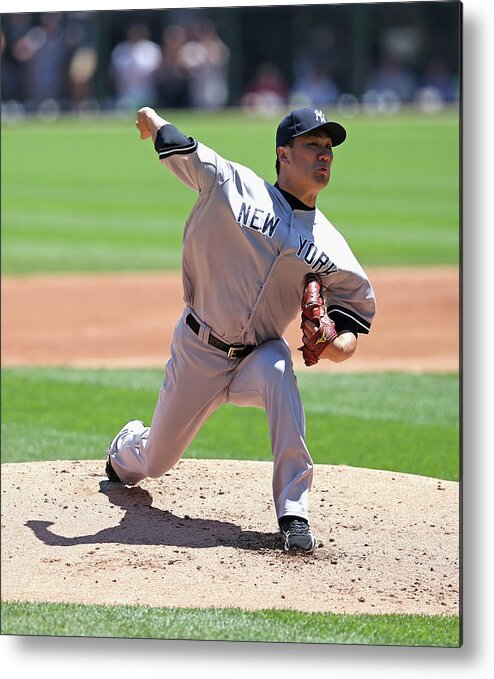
{"x":145,"y":133}
{"x":142,"y":125}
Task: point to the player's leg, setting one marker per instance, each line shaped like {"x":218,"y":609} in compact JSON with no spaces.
{"x":195,"y":385}
{"x":266,"y":379}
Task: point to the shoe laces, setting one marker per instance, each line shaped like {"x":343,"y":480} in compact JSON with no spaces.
{"x":296,"y":527}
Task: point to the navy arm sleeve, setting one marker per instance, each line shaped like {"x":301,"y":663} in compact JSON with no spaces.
{"x":170,"y":140}
{"x":344,"y":323}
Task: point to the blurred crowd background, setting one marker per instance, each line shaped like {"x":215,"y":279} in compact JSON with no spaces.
{"x":371,"y":57}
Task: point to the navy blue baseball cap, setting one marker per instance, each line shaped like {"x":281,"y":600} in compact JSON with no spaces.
{"x":304,"y":120}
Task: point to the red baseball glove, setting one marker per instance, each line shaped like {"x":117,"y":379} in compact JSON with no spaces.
{"x":318,"y":329}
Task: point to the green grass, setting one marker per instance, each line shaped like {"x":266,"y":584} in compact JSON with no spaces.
{"x":398,"y":422}
{"x":90,"y":196}
{"x":228,"y":625}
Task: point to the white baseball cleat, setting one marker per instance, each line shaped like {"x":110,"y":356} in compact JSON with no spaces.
{"x":113,"y":448}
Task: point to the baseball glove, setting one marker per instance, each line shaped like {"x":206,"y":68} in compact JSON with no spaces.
{"x":318,"y":329}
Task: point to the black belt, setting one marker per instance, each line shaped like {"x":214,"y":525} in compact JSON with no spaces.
{"x":232,"y":350}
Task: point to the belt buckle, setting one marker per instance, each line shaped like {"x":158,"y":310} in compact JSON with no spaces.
{"x":232,"y":351}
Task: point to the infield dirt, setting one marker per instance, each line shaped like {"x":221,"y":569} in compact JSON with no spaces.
{"x":128,"y":320}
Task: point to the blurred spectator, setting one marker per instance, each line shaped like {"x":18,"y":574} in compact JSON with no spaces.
{"x":134,"y":66}
{"x":438,"y":88}
{"x":82,"y":62}
{"x":50,"y":62}
{"x":81,"y":73}
{"x":268,"y":91}
{"x":43,"y":52}
{"x":392,"y":81}
{"x":172,"y":76}
{"x":439,"y":78}
{"x":205,"y":58}
{"x":14,"y":27}
{"x":314,"y":88}
{"x":402,"y":42}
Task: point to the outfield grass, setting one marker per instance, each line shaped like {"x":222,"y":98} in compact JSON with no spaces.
{"x":229,"y":625}
{"x":90,"y":196}
{"x":399,"y":422}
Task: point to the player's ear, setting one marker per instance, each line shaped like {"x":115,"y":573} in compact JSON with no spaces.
{"x":282,"y":155}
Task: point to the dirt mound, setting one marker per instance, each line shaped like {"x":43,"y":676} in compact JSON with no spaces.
{"x":204,"y":535}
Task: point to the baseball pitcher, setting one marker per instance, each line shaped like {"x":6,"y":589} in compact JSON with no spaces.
{"x":255,"y":255}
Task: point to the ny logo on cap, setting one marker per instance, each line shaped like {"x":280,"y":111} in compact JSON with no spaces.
{"x":320,"y":115}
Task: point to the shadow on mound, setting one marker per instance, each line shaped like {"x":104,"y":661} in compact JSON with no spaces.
{"x":144,"y":524}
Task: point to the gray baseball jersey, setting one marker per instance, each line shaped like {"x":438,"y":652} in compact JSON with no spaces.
{"x":246,"y":251}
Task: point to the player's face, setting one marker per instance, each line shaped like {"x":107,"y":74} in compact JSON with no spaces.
{"x":310,"y":160}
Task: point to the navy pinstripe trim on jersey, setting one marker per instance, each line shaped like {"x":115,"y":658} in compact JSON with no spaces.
{"x":173,"y":150}
{"x":344,"y":317}
{"x":170,"y":141}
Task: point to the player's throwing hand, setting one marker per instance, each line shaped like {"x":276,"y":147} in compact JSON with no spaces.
{"x":142,"y":122}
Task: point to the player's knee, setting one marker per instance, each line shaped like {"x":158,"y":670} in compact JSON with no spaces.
{"x":155,"y":473}
{"x":158,"y":465}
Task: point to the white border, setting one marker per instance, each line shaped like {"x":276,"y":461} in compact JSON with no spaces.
{"x":63,"y":657}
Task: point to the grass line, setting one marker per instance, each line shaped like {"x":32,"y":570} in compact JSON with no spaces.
{"x":229,"y":625}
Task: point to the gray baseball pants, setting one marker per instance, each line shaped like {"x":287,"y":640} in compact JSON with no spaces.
{"x":199,"y":379}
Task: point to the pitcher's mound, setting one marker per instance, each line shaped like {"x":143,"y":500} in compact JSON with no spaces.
{"x":205,"y":535}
